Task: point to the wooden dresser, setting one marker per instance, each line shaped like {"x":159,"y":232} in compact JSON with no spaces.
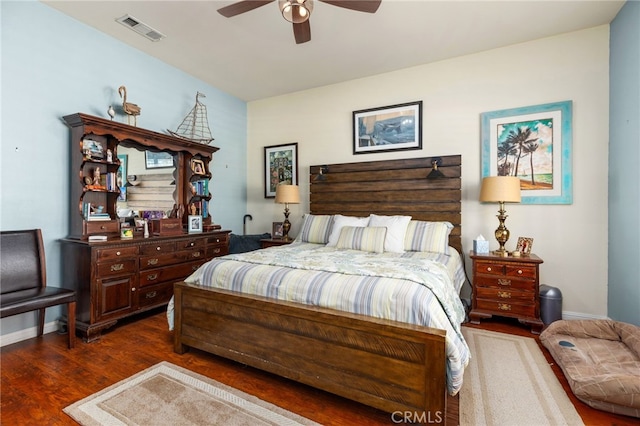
{"x":119,"y":278}
{"x":506,"y":286}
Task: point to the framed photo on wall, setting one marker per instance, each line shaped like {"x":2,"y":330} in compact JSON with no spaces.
{"x":534,"y":144}
{"x":390,"y":128}
{"x":157,"y":160}
{"x":280,"y":166}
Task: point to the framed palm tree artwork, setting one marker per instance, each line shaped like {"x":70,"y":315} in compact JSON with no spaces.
{"x":534,"y":144}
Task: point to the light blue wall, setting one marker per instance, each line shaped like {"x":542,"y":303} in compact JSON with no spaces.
{"x":53,"y":65}
{"x":624,"y":166}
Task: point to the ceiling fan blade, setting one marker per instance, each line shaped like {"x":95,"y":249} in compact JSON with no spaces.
{"x":241,"y":7}
{"x":369,"y":6}
{"x":302,"y":32}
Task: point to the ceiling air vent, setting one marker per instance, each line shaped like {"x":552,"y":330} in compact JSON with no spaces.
{"x":141,"y":28}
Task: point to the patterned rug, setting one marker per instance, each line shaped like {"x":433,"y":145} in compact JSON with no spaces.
{"x":509,"y":382}
{"x":167,"y":394}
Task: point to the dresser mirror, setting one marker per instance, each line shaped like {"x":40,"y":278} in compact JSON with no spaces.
{"x":146,"y":180}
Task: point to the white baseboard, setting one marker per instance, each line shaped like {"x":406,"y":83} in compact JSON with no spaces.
{"x":567,"y":315}
{"x":27,"y":333}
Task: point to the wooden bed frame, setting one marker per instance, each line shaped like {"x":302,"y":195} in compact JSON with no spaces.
{"x":389,"y":365}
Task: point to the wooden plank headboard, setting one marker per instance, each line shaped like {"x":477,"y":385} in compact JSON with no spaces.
{"x":391,"y":187}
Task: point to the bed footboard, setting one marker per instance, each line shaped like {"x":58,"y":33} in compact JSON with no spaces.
{"x":392,"y":366}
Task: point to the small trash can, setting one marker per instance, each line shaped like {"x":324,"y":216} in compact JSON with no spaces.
{"x":550,"y":304}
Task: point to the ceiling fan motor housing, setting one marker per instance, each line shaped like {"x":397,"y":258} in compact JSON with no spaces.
{"x":296,"y":11}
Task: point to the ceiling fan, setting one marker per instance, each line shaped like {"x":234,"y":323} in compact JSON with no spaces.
{"x":298,"y":11}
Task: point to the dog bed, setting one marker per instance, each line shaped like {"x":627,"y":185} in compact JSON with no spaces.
{"x":601,"y":361}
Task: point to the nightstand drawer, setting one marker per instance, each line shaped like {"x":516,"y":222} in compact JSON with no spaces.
{"x":505,"y":295}
{"x":488,"y":268}
{"x":506,"y":308}
{"x":521,"y":271}
{"x":504,"y":283}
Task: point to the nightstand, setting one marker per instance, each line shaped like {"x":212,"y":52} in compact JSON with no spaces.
{"x":508,"y":287}
{"x":274,"y":242}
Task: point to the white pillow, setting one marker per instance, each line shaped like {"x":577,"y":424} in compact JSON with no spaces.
{"x":339,"y":222}
{"x":396,"y":230}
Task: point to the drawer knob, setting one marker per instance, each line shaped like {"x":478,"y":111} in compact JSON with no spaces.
{"x":504,"y":294}
{"x":191,"y":244}
{"x":504,"y":306}
{"x":103,"y":227}
{"x":158,"y":248}
{"x":519,"y":271}
{"x":502,"y":281}
{"x":488,"y":268}
{"x":117,"y":267}
{"x":133,"y":289}
{"x":117,"y":253}
{"x":217,"y":240}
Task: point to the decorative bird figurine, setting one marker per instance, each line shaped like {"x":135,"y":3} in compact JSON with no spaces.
{"x":111,"y":112}
{"x":132,"y":110}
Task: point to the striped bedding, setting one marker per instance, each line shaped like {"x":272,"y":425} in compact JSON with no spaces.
{"x":414,"y":287}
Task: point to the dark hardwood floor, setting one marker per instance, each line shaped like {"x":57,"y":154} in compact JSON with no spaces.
{"x":39,"y":377}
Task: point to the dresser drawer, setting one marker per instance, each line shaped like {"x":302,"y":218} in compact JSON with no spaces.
{"x":158,"y":248}
{"x":117,"y":253}
{"x":216,"y":251}
{"x":191,"y":243}
{"x":195,"y":254}
{"x":504,"y":282}
{"x":157,"y":260}
{"x":117,"y":267}
{"x":155,"y":295}
{"x":218,"y":239}
{"x":505,"y":295}
{"x":506,"y":308}
{"x":101,"y":227}
{"x":169,"y":273}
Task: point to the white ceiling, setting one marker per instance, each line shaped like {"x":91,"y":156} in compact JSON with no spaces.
{"x":254,"y":55}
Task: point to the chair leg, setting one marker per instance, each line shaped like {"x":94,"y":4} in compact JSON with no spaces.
{"x":41,"y":321}
{"x":71,"y":324}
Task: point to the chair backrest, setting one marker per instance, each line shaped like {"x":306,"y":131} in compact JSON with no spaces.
{"x":22,"y":260}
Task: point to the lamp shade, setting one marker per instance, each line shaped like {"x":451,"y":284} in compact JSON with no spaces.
{"x":287,"y":194}
{"x":497,"y":189}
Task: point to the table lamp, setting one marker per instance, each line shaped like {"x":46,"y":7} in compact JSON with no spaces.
{"x":287,"y":194}
{"x":501,"y":189}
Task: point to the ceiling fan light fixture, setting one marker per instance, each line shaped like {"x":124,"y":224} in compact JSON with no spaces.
{"x":296,"y":11}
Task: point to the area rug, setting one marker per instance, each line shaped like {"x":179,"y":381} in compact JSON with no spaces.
{"x":509,"y":382}
{"x":167,"y":394}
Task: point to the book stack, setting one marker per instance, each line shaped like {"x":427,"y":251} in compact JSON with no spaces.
{"x":201,"y":187}
{"x":90,"y":215}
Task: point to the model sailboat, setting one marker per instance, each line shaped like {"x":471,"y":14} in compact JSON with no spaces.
{"x":195,"y":126}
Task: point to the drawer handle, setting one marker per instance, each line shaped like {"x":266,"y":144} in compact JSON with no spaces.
{"x":117,"y":267}
{"x":195,"y":268}
{"x":158,"y":248}
{"x":217,"y":250}
{"x":519,"y":271}
{"x":502,"y":281}
{"x":151,"y":294}
{"x":489,"y":269}
{"x":196,"y":254}
{"x":152,"y":262}
{"x":117,"y":253}
{"x":504,"y":294}
{"x":152,"y":277}
{"x":504,"y":306}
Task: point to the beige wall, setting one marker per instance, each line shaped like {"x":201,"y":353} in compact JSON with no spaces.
{"x":572,"y":239}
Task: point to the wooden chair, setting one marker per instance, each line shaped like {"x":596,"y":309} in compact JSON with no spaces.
{"x":23,"y":281}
